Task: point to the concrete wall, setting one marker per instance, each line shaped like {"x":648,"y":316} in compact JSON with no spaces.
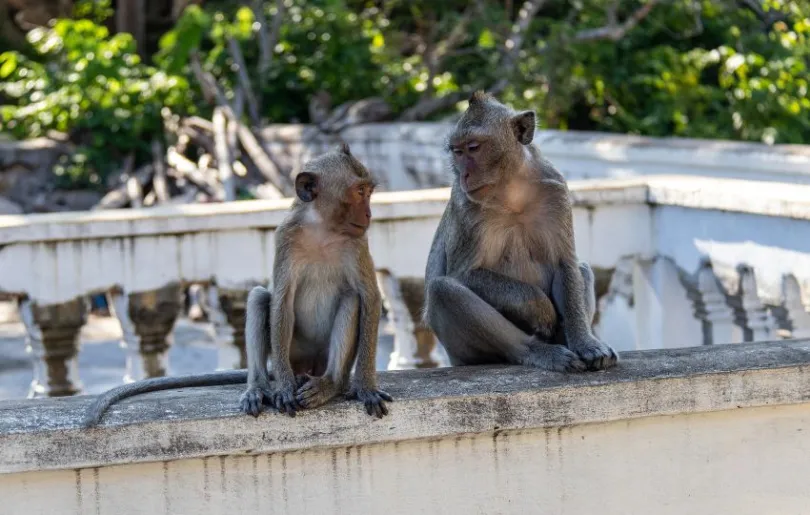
{"x":706,"y":430}
{"x":652,"y":236}
{"x":408,"y":156}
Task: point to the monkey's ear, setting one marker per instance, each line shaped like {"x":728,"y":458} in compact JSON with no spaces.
{"x":523,"y":124}
{"x":306,"y":186}
{"x":344,"y":149}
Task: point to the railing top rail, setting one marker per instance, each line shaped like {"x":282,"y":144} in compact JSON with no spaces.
{"x":763,"y":198}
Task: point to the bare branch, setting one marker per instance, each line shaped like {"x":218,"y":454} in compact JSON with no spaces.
{"x":223,"y":154}
{"x":268,"y":38}
{"x":509,"y":56}
{"x":244,"y":81}
{"x":207,"y":82}
{"x":189,"y":171}
{"x":616,"y":31}
{"x":514,"y":43}
{"x":159,"y":185}
{"x":260,"y":157}
{"x":430,"y":105}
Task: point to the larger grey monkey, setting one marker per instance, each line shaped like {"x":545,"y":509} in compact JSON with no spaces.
{"x":323,"y":314}
{"x":503,"y":283}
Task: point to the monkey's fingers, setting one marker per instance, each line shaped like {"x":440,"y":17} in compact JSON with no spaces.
{"x":385,"y":395}
{"x":251,"y":402}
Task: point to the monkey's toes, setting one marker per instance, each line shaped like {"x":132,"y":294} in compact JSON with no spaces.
{"x":251,"y":401}
{"x":374,"y":401}
{"x":597,"y":355}
{"x":284,"y":402}
{"x":301,"y":380}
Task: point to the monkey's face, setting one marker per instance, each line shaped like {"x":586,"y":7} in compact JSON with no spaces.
{"x":338,"y":187}
{"x":356,"y":206}
{"x":487,"y":145}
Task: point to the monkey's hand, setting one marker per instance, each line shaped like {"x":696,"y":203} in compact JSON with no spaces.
{"x":373,"y":398}
{"x":596,"y":354}
{"x":283,"y":397}
{"x":253,"y":398}
{"x":316,"y":392}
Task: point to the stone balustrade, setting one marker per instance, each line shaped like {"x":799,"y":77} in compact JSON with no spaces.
{"x":679,"y":260}
{"x":700,"y":430}
{"x":409,"y":156}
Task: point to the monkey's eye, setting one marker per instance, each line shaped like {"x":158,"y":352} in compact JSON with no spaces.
{"x":472,"y":147}
{"x":457,"y":151}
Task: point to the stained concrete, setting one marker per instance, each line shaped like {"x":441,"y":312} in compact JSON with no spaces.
{"x":431,"y":404}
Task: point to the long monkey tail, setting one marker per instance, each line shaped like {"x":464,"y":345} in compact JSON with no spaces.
{"x":155,"y":384}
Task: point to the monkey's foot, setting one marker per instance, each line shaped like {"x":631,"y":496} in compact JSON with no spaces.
{"x":253,"y":398}
{"x":596,"y":354}
{"x":544,"y":332}
{"x":556,"y":358}
{"x":373,"y":399}
{"x":316,"y":392}
{"x":283,"y":399}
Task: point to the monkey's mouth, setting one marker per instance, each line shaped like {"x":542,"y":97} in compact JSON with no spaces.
{"x":481,"y":188}
{"x":357,"y":229}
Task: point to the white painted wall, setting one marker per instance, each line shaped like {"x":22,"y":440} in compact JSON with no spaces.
{"x":411,"y":155}
{"x":703,"y":431}
{"x":666,"y":226}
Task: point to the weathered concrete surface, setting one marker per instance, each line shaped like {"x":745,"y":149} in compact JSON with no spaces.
{"x":430,"y":404}
{"x":408,"y":156}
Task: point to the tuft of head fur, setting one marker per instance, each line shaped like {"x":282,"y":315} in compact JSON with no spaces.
{"x":479,"y":97}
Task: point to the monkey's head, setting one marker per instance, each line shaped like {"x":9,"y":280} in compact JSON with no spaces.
{"x":338,"y":188}
{"x":488,"y":143}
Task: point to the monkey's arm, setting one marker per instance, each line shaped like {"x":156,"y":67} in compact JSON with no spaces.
{"x":281,"y":333}
{"x":568,"y":293}
{"x":364,"y":384}
{"x":525,"y":305}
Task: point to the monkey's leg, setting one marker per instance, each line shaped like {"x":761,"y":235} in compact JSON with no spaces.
{"x":577,"y":305}
{"x":475,"y":333}
{"x":257,"y":343}
{"x":525,"y":305}
{"x":342,"y":351}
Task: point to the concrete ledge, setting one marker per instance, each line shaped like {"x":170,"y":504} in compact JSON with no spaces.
{"x":435,"y":404}
{"x":734,"y":195}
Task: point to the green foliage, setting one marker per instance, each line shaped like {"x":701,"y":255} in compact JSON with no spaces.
{"x":91,"y":85}
{"x":691,"y":68}
{"x":732,"y":76}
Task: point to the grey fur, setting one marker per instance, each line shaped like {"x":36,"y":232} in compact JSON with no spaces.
{"x":324,"y":311}
{"x":503,"y":283}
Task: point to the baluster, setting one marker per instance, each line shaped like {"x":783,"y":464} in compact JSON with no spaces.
{"x":130,"y":341}
{"x":153,"y":314}
{"x":234,"y":304}
{"x":759,"y":322}
{"x":796,"y":310}
{"x":52,"y":340}
{"x":405,"y":346}
{"x":428,"y":354}
{"x":717,"y":315}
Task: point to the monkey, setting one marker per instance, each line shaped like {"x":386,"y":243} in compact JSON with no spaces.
{"x":321,"y":316}
{"x":503,"y":284}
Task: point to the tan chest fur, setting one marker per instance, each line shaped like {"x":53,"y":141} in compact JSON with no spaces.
{"x":513,"y":239}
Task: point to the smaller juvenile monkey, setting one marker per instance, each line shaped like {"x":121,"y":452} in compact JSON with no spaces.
{"x":323,"y":314}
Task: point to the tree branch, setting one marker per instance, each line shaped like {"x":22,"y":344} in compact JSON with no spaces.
{"x":616,"y":31}
{"x":244,"y":81}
